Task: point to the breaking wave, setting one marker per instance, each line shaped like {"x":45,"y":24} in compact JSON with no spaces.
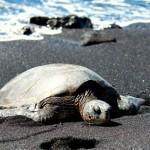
{"x":15,"y":14}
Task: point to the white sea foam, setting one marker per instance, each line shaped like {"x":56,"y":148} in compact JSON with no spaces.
{"x":15,"y":14}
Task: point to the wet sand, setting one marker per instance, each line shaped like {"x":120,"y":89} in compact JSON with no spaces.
{"x":124,"y":63}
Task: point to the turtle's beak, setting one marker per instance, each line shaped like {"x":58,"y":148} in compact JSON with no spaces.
{"x":102,"y":118}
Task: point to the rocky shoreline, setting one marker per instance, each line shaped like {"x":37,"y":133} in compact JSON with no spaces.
{"x":65,"y":22}
{"x":124,"y":62}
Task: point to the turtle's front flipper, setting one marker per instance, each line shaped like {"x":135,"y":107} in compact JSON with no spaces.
{"x":9,"y":112}
{"x":43,"y":114}
{"x":129,"y":105}
{"x":35,"y":113}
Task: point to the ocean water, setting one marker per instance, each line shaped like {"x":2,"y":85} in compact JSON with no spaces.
{"x":15,"y":14}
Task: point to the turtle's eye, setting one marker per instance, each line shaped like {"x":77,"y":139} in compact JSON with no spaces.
{"x":97,"y":109}
{"x":89,"y":117}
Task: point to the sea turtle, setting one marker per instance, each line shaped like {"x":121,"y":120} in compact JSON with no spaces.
{"x":57,"y":92}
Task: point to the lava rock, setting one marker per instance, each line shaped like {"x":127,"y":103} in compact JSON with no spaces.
{"x":55,"y":22}
{"x":114,"y":26}
{"x":42,"y":21}
{"x":27,"y":30}
{"x":70,"y":21}
{"x":96,"y":37}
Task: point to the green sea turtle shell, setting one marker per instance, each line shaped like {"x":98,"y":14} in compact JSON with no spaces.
{"x":36,"y":84}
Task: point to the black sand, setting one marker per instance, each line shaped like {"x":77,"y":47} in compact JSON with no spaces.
{"x":125,"y":64}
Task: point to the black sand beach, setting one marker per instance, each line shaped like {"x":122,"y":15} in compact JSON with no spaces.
{"x":124,"y":63}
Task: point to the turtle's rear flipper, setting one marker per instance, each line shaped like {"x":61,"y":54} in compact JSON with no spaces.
{"x":129,"y":105}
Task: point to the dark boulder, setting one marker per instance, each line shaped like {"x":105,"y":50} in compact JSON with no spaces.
{"x":114,"y":26}
{"x":70,"y":21}
{"x":42,"y":21}
{"x":27,"y":30}
{"x":96,"y":37}
{"x":55,"y":22}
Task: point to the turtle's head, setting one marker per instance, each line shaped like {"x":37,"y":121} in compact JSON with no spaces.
{"x":96,"y":112}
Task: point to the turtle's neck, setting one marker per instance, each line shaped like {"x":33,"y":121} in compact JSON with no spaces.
{"x":82,"y":98}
